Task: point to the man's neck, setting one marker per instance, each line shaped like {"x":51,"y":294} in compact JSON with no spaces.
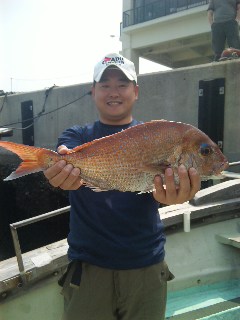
{"x":116,"y":122}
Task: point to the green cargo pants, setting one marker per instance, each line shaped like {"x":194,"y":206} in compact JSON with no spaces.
{"x":103,"y":294}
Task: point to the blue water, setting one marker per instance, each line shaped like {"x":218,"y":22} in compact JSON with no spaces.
{"x":232,"y":314}
{"x":198,"y":297}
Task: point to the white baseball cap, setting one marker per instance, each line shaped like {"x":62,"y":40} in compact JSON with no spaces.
{"x":115,"y":60}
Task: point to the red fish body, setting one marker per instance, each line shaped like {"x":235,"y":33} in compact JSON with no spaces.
{"x":129,"y":160}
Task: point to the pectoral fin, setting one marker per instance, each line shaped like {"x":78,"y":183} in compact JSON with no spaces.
{"x":158,"y":168}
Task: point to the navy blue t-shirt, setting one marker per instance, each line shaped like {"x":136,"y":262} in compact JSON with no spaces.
{"x":112,"y":229}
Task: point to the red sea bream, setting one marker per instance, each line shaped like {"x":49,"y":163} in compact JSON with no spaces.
{"x":129,"y":160}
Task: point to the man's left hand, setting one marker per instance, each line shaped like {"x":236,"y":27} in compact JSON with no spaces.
{"x":189,"y":185}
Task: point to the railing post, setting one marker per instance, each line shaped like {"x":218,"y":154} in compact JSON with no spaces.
{"x":16,"y":243}
{"x":18,"y":254}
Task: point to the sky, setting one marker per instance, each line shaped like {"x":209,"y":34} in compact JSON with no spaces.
{"x":47,"y":42}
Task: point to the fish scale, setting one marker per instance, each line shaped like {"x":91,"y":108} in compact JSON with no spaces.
{"x":129,"y":160}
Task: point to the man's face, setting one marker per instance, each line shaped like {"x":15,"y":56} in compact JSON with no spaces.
{"x":114,"y":97}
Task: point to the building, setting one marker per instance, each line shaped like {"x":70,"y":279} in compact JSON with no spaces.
{"x":174,"y":33}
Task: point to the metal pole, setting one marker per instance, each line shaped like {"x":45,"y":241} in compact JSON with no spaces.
{"x":18,"y":254}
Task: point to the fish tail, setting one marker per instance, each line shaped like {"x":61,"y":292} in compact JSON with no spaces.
{"x":32,"y":159}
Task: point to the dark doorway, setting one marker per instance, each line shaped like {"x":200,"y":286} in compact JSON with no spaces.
{"x":211,"y":112}
{"x":211,"y":109}
{"x":27,"y":123}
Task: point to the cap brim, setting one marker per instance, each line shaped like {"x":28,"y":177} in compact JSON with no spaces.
{"x":113,"y":66}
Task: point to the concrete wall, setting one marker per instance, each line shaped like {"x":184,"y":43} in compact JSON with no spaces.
{"x":171,"y":95}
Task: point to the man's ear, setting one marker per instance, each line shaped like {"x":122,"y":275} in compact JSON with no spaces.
{"x":92,"y":91}
{"x":136,"y":91}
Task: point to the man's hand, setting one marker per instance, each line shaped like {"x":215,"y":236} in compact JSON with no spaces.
{"x":189,"y":185}
{"x":63,"y":175}
{"x":210,"y":16}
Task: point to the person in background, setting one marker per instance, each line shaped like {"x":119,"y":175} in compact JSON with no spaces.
{"x":116,"y":240}
{"x":224,"y":17}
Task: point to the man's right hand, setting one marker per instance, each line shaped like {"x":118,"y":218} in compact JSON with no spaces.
{"x":63,"y":175}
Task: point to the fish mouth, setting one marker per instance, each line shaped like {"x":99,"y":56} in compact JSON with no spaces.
{"x":224,"y":165}
{"x":218,"y":170}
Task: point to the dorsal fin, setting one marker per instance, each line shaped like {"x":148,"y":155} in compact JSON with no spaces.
{"x":88,"y":144}
{"x":83,"y":146}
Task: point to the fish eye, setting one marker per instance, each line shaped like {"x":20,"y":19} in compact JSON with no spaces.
{"x":205,"y":149}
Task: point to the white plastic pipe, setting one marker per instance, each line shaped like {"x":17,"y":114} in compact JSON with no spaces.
{"x":187,"y":221}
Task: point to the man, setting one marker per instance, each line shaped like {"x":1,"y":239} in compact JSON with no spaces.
{"x":224,"y":17}
{"x":116,"y":240}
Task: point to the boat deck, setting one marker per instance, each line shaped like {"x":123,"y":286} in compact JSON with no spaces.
{"x":202,"y":251}
{"x":216,"y":295}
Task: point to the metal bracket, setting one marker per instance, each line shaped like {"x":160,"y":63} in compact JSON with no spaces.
{"x":16,"y":281}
